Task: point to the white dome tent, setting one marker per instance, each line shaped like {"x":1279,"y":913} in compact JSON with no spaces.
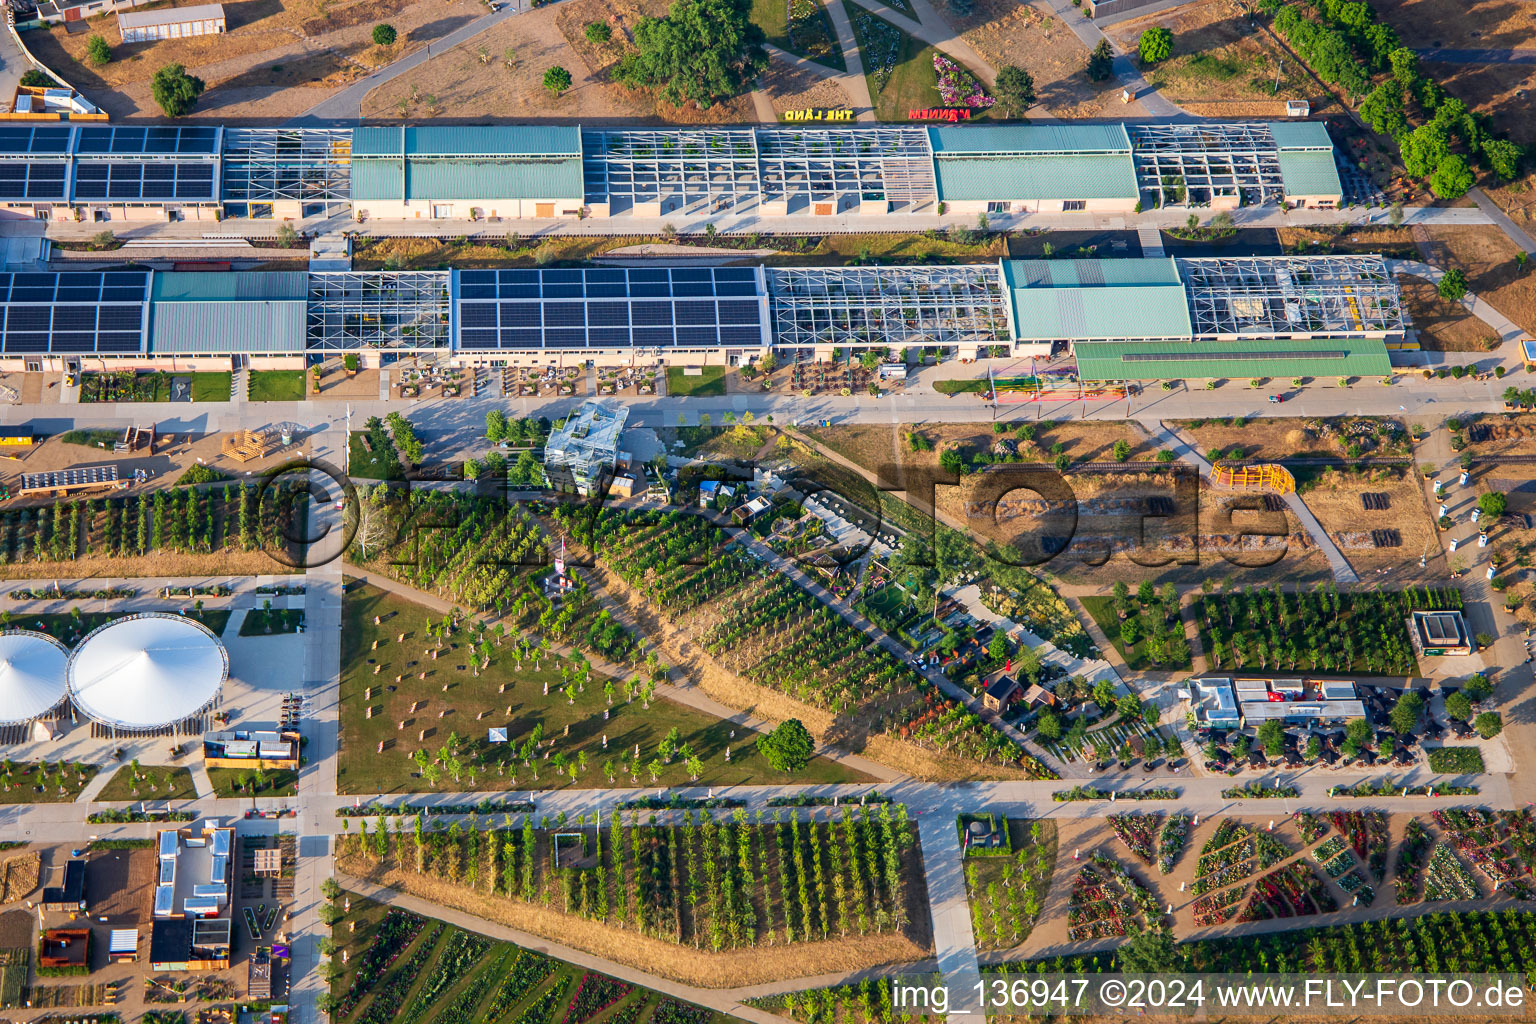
{"x":32,"y":676}
{"x":147,"y":672}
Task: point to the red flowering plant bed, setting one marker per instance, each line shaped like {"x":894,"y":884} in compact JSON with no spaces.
{"x":1291,"y":891}
{"x":1368,"y":837}
{"x":1107,"y":901}
{"x":1139,"y":834}
{"x":957,"y":86}
{"x":594,"y":994}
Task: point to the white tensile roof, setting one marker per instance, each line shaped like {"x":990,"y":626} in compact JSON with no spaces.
{"x":32,"y":667}
{"x":146,"y":671}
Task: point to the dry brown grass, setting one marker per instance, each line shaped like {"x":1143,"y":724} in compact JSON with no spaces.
{"x":18,"y":876}
{"x":726,"y":969}
{"x":1285,"y":437}
{"x":1222,"y":66}
{"x":1487,"y":257}
{"x":1334,"y":498}
{"x":1442,"y":326}
{"x":1508,"y":434}
{"x":168,"y":563}
{"x":1009,"y":32}
{"x":792,"y":88}
{"x":1346,"y":238}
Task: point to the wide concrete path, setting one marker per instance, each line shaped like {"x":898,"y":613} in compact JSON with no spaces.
{"x":954,"y":941}
{"x":1492,"y":56}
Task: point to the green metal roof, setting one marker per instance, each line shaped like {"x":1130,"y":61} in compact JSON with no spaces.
{"x":1069,"y":300}
{"x":1181,"y":360}
{"x":218,"y":327}
{"x":1004,"y":178}
{"x":1090,"y":273}
{"x":441,"y":178}
{"x":1309,"y":173}
{"x":1300,"y":134}
{"x":172,"y":286}
{"x":1030,"y":138}
{"x":468,"y":140}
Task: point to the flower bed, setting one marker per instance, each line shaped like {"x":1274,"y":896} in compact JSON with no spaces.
{"x":1412,"y":855}
{"x":1312,"y":827}
{"x":1386,"y":787}
{"x":881,"y":43}
{"x":957,"y":86}
{"x":1456,"y":760}
{"x":1447,"y":878}
{"x":1170,"y":842}
{"x":1355,"y":884}
{"x":594,"y":994}
{"x":1367,"y":834}
{"x":1107,"y":901}
{"x":1500,"y":844}
{"x":1218,"y":907}
{"x":1077,"y":793}
{"x":1256,"y":790}
{"x":810,"y":32}
{"x":1291,"y":891}
{"x":1138,"y":832}
{"x":1234,"y":852}
{"x":528,"y":970}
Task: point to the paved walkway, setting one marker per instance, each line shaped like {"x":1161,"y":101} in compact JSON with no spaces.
{"x":1089,"y":669}
{"x":1152,"y":103}
{"x":1444,"y":55}
{"x":954,"y":942}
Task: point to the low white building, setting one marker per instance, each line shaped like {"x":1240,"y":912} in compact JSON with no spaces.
{"x":171,"y":23}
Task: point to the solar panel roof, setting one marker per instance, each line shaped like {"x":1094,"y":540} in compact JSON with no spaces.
{"x":155,"y":141}
{"x":75,"y":312}
{"x":33,"y":140}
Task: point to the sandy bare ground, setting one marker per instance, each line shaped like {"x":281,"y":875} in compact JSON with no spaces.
{"x":1222,"y":65}
{"x":278,"y":59}
{"x":793,"y":88}
{"x":500,"y":74}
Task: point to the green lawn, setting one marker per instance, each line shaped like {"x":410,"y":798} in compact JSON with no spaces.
{"x":281,"y":620}
{"x":710,"y":383}
{"x":379,"y":464}
{"x":211,"y":387}
{"x":1103,"y":611}
{"x":277,"y":386}
{"x":228,"y":782}
{"x":814,"y":38}
{"x":576,"y":729}
{"x":490,"y":983}
{"x":151,"y":784}
{"x":22,"y":783}
{"x":70,"y":630}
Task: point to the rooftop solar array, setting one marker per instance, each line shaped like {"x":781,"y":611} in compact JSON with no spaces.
{"x":131,"y":181}
{"x":114,"y":140}
{"x":73,"y":313}
{"x":34,"y":140}
{"x":34,"y":180}
{"x":609,"y":308}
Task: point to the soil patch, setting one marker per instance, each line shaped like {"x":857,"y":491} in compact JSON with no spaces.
{"x":794,"y":88}
{"x":1006,"y":32}
{"x":1487,"y":257}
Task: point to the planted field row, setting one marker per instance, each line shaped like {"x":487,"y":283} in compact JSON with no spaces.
{"x":722,"y":884}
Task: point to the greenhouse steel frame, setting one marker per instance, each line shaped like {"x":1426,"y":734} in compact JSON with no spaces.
{"x":309,"y":165}
{"x":730,"y":166}
{"x":1212,"y":160}
{"x":650,"y":165}
{"x":398,"y":310}
{"x":887,"y":306}
{"x":1280,"y":296}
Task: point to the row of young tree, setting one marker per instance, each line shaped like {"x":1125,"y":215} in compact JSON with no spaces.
{"x":1346,"y":43}
{"x":183,"y":520}
{"x":481,"y":553}
{"x":1321,"y":629}
{"x":738,"y":882}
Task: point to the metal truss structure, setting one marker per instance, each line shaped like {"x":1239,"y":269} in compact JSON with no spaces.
{"x":397,"y":310}
{"x":743,"y":166}
{"x":1290,"y":296}
{"x":310,"y":165}
{"x":886,"y":306}
{"x":1206,"y":161}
